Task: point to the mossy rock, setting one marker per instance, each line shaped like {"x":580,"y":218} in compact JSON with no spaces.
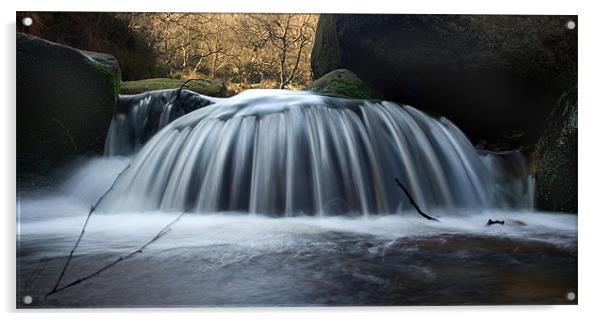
{"x":342,"y":82}
{"x":65,"y":101}
{"x":213,"y":88}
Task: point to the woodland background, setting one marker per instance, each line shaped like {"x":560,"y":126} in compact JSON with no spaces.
{"x":243,"y":50}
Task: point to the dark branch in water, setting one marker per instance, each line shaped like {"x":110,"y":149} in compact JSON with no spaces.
{"x":163,"y":231}
{"x":428,"y":217}
{"x":491,"y":222}
{"x":81,"y":234}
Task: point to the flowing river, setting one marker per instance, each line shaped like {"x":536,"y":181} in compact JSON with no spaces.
{"x":290,"y":199}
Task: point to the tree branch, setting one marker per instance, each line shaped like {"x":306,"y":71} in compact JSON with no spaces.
{"x":428,"y":217}
{"x":81,"y":234}
{"x":163,"y":231}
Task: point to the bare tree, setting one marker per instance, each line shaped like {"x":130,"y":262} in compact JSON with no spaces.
{"x":242,"y":48}
{"x":288,"y":34}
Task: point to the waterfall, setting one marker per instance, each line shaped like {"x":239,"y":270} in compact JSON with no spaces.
{"x":515,"y":185}
{"x":138,"y":117}
{"x":286,"y":153}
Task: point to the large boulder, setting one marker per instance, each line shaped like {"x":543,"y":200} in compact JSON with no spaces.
{"x":65,"y":101}
{"x":556,"y":158}
{"x":489,"y":74}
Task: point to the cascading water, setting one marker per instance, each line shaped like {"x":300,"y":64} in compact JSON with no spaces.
{"x":138,"y":117}
{"x":515,"y":185}
{"x":287,"y":153}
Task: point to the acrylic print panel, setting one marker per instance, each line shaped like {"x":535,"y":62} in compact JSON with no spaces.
{"x":203,"y":160}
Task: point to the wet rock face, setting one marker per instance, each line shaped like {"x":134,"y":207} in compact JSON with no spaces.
{"x":556,"y":176}
{"x":488,"y":74}
{"x":65,"y":100}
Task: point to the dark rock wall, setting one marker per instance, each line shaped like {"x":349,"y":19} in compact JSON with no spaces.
{"x":556,"y":152}
{"x":65,"y":101}
{"x":488,"y":74}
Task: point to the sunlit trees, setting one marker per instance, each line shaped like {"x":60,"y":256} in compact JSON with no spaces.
{"x":284,"y":39}
{"x":273,"y":49}
{"x":245,"y":50}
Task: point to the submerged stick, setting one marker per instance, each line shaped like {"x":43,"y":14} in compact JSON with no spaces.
{"x":491,"y":222}
{"x":81,"y":234}
{"x":423,"y":214}
{"x":163,"y":231}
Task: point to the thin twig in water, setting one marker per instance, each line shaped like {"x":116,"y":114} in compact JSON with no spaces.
{"x":81,"y":234}
{"x":121,"y":258}
{"x":428,"y":217}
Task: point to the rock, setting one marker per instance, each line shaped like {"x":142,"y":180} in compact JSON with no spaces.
{"x":213,"y":88}
{"x":342,"y":82}
{"x":516,"y":222}
{"x":556,"y":156}
{"x":488,"y":74}
{"x":65,"y":101}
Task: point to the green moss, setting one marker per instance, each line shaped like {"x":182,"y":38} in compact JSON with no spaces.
{"x":342,"y":82}
{"x":214,"y":88}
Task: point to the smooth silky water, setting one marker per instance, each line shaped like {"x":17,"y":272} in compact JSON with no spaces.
{"x":290,"y":199}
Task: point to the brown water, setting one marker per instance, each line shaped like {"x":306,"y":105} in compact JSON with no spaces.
{"x":236,"y":260}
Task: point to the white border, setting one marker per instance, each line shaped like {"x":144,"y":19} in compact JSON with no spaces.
{"x":590,"y":105}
